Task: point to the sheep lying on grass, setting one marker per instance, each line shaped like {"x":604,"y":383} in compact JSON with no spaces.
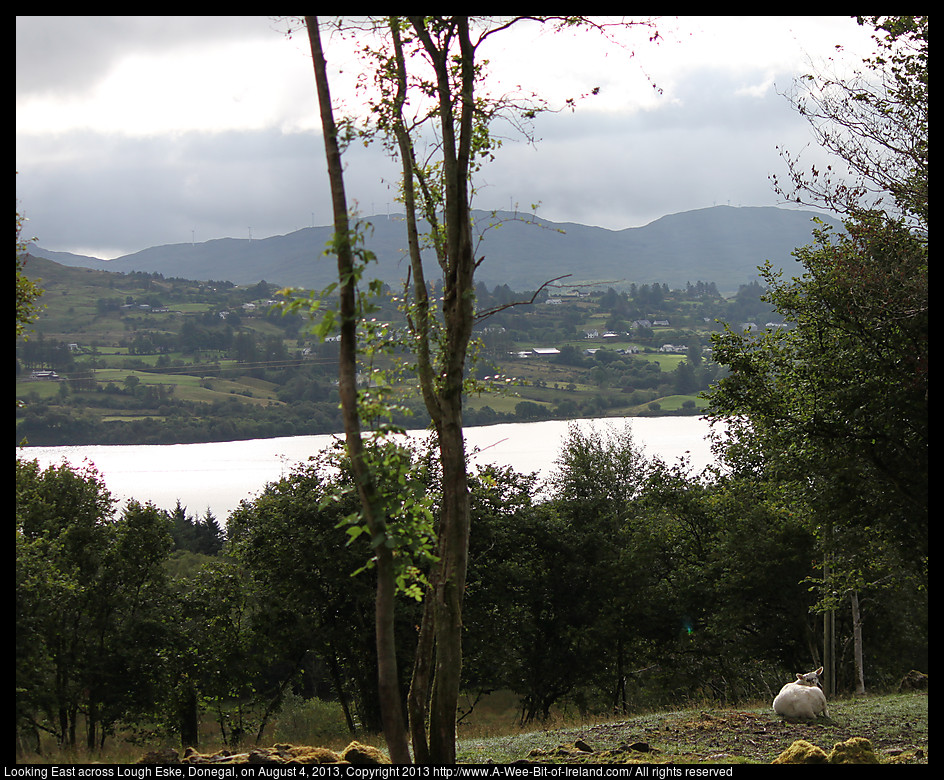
{"x":803,"y":699}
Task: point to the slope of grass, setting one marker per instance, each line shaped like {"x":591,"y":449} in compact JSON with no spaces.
{"x":896,"y":725}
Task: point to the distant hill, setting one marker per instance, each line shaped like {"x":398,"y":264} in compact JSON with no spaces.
{"x":722,"y":244}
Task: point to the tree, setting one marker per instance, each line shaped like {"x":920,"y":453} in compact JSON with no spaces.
{"x":196,"y":535}
{"x":733,"y":554}
{"x":90,"y":592}
{"x":837,"y":403}
{"x":27,"y":291}
{"x":215,"y":656}
{"x":596,"y":487}
{"x":59,"y":512}
{"x":312,"y":580}
{"x":124,"y":667}
{"x":845,"y":388}
{"x":876,"y":123}
{"x":371,"y":505}
{"x":529,"y":610}
{"x":446,"y":42}
{"x":439,"y":191}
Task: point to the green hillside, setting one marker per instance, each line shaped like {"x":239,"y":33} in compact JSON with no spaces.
{"x":143,"y":358}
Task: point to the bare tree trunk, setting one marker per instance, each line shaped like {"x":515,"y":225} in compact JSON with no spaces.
{"x":829,"y":634}
{"x":857,"y":643}
{"x":389,"y":690}
{"x":187,"y":713}
{"x":458,"y":270}
{"x":332,"y":661}
{"x":418,"y":317}
{"x":418,"y":700}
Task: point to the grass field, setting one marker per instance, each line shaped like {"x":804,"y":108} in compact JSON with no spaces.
{"x":896,"y":725}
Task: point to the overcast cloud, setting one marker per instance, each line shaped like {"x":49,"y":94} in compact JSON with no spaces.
{"x":139,"y":131}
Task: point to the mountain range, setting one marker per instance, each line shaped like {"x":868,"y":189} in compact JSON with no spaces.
{"x":721,"y":244}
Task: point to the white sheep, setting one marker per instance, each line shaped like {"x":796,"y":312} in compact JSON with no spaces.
{"x":803,"y":699}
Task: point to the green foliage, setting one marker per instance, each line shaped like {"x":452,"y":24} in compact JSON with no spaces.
{"x":403,"y":520}
{"x":837,"y":405}
{"x":602,"y":467}
{"x":27,"y":290}
{"x":302,"y":567}
{"x":197,"y":535}
{"x":318,"y":307}
{"x":90,"y":594}
{"x":842,"y":395}
{"x":220,"y":656}
{"x":621,"y":584}
{"x":632,"y":583}
{"x":406,"y":506}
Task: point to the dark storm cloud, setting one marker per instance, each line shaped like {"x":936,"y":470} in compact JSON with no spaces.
{"x":715,"y":143}
{"x":126,"y":194}
{"x":69,"y":54}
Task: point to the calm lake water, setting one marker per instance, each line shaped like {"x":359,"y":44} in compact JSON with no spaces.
{"x":219,"y":475}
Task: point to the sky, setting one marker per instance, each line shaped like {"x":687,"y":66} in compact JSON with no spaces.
{"x":142,"y":131}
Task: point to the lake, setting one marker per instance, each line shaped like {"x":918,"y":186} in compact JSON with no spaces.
{"x":217,"y":476}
